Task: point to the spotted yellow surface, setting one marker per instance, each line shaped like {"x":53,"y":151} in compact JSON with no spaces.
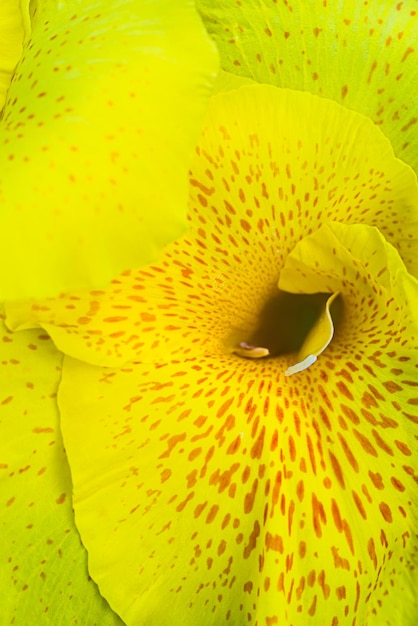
{"x":11,"y":42}
{"x":361,"y":54}
{"x":271,"y":166}
{"x":43,"y":566}
{"x":217,"y":490}
{"x":105,"y":104}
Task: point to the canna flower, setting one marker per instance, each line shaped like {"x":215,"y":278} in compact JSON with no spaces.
{"x":211,"y":488}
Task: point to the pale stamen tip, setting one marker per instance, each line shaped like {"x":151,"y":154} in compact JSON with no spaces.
{"x":249,"y":351}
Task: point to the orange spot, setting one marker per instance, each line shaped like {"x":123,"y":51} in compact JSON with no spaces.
{"x":376,"y":480}
{"x":274,"y":542}
{"x":386,"y":512}
{"x":411,"y":122}
{"x":312,"y":608}
{"x":359,"y":504}
{"x":250,"y":498}
{"x":397,"y":484}
{"x":391,"y":386}
{"x":42,"y":430}
{"x":336,"y":516}
{"x":61,"y":499}
{"x":341,"y":594}
{"x":300,"y":490}
{"x":212,"y":514}
{"x":338,"y":561}
{"x":115,"y":319}
{"x":252,"y":540}
{"x":365,"y":443}
{"x":372,"y":69}
{"x":171,"y":443}
{"x":408,"y":51}
{"x":337,"y":469}
{"x":342,"y":387}
{"x":318,"y":515}
{"x":245,"y":225}
{"x":403,"y":447}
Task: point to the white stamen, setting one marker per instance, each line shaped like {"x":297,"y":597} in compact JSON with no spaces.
{"x":299,"y":367}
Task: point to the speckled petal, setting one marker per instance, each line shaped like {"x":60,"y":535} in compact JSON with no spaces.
{"x":43,"y":566}
{"x":11,"y":43}
{"x":216,"y":490}
{"x":361,"y":54}
{"x":98,"y":130}
{"x":271,"y":166}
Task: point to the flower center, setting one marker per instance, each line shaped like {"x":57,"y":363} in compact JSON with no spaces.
{"x":291,"y":323}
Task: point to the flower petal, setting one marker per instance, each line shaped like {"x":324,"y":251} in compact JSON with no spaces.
{"x":228,"y":492}
{"x":317,"y":340}
{"x":100,"y":123}
{"x":363,"y":55}
{"x":11,"y":43}
{"x":43,"y":573}
{"x":271,"y":167}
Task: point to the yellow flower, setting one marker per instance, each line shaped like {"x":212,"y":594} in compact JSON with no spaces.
{"x":211,"y":489}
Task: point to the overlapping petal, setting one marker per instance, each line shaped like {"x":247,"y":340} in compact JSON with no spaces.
{"x":11,"y":43}
{"x":228,"y":492}
{"x":43,"y":566}
{"x":271,"y":166}
{"x":361,"y":54}
{"x":99,"y":125}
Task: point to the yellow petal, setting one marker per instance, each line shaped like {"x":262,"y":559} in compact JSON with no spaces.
{"x":98,"y":130}
{"x":43,"y":573}
{"x":360,"y":54}
{"x":11,"y":43}
{"x":318,"y":339}
{"x":271,"y":167}
{"x":213,"y":489}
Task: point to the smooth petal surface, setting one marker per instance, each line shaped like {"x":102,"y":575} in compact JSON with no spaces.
{"x":317,"y":340}
{"x":361,"y":54}
{"x":271,"y":166}
{"x":11,"y":43}
{"x":100,"y":123}
{"x":43,"y":566}
{"x":228,"y":492}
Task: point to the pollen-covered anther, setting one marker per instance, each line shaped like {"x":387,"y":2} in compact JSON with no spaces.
{"x":249,"y":351}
